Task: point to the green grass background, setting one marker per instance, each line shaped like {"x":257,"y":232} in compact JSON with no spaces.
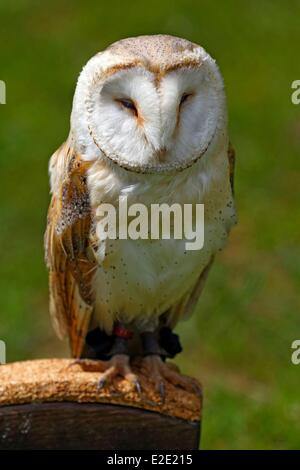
{"x":239,"y":341}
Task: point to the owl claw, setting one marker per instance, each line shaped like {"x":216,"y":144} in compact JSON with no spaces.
{"x":118,"y":365}
{"x":138,"y":387}
{"x":162,"y":392}
{"x":101,"y":383}
{"x":161,"y":373}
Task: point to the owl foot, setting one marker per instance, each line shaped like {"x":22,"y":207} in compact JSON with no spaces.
{"x":161,"y":373}
{"x":118,"y":365}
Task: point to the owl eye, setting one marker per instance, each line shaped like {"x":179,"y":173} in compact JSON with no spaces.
{"x":128,"y":104}
{"x":183,"y":98}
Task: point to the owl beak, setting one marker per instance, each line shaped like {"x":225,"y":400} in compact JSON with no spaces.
{"x":161,"y":154}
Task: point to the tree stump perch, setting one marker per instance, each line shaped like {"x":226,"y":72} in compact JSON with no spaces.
{"x":54,"y":404}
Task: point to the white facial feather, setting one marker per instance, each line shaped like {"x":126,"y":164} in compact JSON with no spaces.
{"x":164,"y":135}
{"x":116,"y":128}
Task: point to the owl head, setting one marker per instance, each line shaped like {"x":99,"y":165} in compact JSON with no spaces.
{"x":149,"y":104}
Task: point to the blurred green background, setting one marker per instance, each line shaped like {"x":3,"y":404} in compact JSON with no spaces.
{"x":239,"y":341}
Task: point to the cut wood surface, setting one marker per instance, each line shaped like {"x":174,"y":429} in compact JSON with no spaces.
{"x":83,"y":416}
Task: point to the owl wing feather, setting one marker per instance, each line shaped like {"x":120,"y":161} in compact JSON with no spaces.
{"x":67,"y":247}
{"x":187,"y":304}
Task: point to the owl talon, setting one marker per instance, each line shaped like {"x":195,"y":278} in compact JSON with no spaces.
{"x":162,"y":392}
{"x":161,"y":374}
{"x":118,"y":365}
{"x":101,"y":384}
{"x":138,"y":387}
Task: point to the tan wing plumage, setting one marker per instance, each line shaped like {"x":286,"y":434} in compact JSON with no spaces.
{"x":185,"y":307}
{"x":68,"y":252}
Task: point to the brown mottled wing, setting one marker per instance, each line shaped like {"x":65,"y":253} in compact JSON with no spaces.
{"x":189,"y":301}
{"x":70,"y":265}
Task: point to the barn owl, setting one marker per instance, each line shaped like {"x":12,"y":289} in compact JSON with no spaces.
{"x":149,"y":123}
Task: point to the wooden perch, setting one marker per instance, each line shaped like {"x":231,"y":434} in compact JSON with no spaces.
{"x":54,"y":404}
